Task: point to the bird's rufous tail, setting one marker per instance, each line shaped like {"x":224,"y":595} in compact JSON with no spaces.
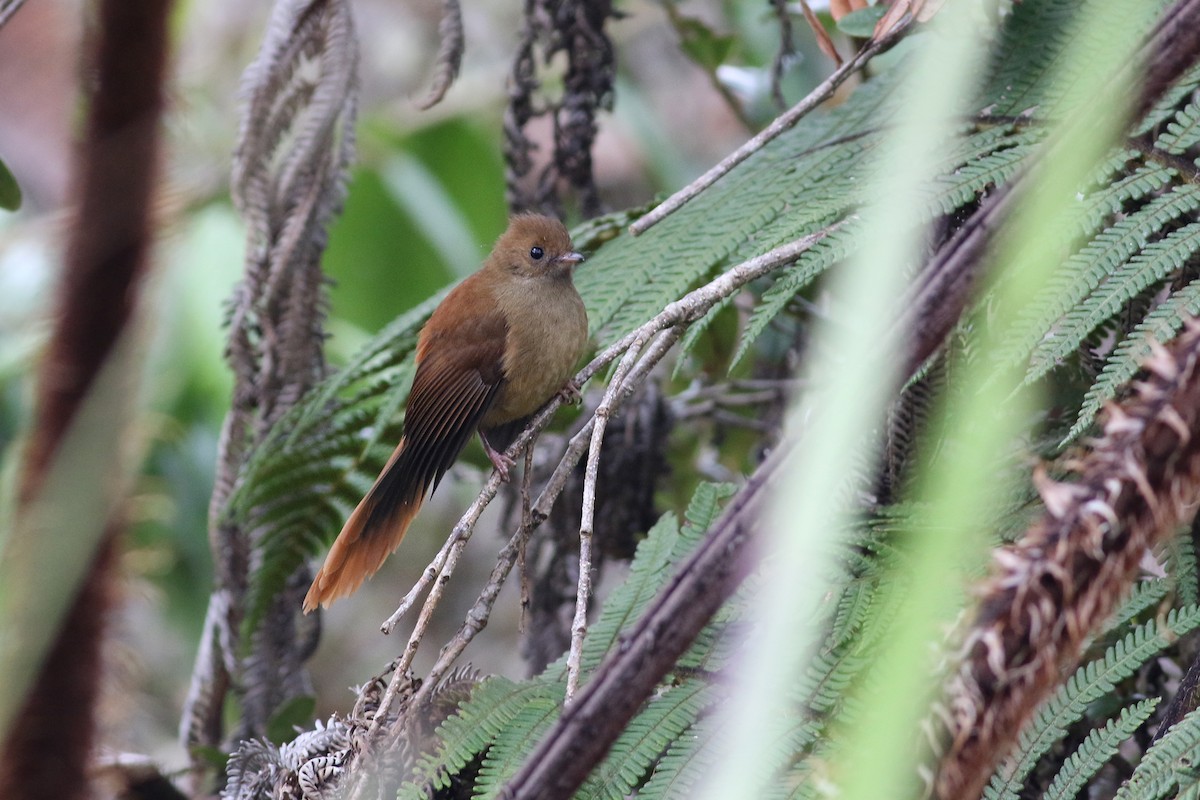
{"x":371,"y":533}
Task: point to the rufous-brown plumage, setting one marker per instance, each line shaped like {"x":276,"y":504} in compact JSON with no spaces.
{"x":494,"y":351}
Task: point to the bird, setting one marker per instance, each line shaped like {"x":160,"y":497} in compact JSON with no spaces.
{"x":496,"y":349}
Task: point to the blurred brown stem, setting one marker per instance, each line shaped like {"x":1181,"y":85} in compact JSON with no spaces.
{"x":46,"y":756}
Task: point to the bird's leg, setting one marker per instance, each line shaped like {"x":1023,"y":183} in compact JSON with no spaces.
{"x":501,"y":462}
{"x":570,"y":393}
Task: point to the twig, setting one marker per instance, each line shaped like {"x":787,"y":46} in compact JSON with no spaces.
{"x":623,"y":385}
{"x":526,"y":530}
{"x":441,"y":570}
{"x":587,"y":517}
{"x":782,"y":123}
{"x":8,"y":8}
{"x":477,"y":617}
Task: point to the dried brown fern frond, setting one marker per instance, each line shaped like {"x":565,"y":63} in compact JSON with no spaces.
{"x":295,"y":145}
{"x":449,"y":55}
{"x":1135,"y":484}
{"x":576,"y":29}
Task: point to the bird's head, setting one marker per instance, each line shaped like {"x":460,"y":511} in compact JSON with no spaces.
{"x":536,"y":246}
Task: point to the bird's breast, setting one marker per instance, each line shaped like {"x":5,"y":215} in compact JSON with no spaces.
{"x":547,"y":334}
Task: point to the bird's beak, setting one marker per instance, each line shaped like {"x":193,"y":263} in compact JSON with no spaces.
{"x":571,"y":258}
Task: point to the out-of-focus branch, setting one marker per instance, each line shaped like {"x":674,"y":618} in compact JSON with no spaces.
{"x":50,"y":741}
{"x":8,"y":8}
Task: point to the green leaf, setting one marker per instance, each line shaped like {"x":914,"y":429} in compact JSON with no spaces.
{"x":1168,"y":767}
{"x":213,"y":756}
{"x":861,"y":23}
{"x":10,"y":191}
{"x":702,"y":44}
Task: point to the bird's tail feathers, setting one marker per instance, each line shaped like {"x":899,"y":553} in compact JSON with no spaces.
{"x":372,"y":532}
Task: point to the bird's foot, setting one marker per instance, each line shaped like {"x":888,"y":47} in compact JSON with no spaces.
{"x":501,"y":462}
{"x":570,"y":393}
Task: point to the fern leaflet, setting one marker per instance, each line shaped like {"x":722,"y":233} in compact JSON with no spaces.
{"x":1089,"y":683}
{"x":1099,"y":746}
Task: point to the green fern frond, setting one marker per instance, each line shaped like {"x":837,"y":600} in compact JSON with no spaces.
{"x":1182,"y":132}
{"x":1088,"y":684}
{"x":679,"y":770}
{"x":1160,"y":325}
{"x":811,"y":265}
{"x":1169,"y":766}
{"x":1074,"y":294}
{"x":1097,"y":749}
{"x":665,"y":544}
{"x":645,"y":739}
{"x":1168,"y":104}
{"x":801,"y":181}
{"x":647,"y":573}
{"x":1145,"y":595}
{"x":503,"y":719}
{"x":702,"y":511}
{"x":1182,"y":567}
{"x":853,"y":610}
{"x":487,"y":718}
{"x":1028,"y":51}
{"x":1153,"y":264}
{"x":522,"y":732}
{"x":977,"y":161}
{"x":1122,"y":181}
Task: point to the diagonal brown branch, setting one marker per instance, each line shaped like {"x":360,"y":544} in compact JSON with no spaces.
{"x":588,"y":726}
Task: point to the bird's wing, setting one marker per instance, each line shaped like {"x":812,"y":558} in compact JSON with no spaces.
{"x":459,"y":373}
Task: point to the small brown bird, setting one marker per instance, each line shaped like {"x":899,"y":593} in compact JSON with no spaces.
{"x":494,"y":351}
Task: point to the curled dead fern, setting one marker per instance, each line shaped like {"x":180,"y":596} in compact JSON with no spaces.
{"x":1057,"y":585}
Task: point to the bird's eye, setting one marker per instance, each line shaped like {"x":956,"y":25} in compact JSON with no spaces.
{"x":536,"y":253}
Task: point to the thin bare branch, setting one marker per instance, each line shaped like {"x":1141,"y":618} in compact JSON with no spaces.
{"x":526,"y":532}
{"x":625,"y":381}
{"x":781,"y":124}
{"x":8,"y":8}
